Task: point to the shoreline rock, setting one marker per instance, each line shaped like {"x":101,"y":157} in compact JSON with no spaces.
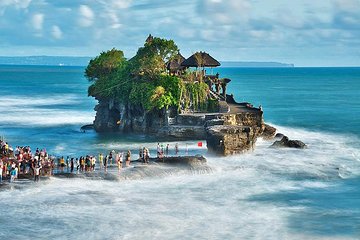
{"x":268,"y":133}
{"x":286,"y":142}
{"x":227,"y":140}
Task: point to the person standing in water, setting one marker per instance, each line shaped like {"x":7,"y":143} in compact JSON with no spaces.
{"x":93,"y":163}
{"x":77,"y":164}
{"x":106,"y":162}
{"x":119,"y":160}
{"x":101,"y":159}
{"x":37,"y":173}
{"x":128,"y":158}
{"x":176,"y":149}
{"x":12,"y":174}
{"x":110,"y":158}
{"x":141,"y":154}
{"x":158,"y":150}
{"x":72,"y":165}
{"x":1,"y":170}
{"x":167,"y":150}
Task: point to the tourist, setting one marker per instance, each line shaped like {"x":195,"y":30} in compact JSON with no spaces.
{"x":1,"y":169}
{"x":62,"y":163}
{"x":27,"y":167}
{"x":128,"y":158}
{"x":6,"y":148}
{"x":113,"y":153}
{"x":119,"y":160}
{"x":146,"y":155}
{"x":37,"y":173}
{"x":82,"y":164}
{"x":101,"y":159}
{"x":167,"y":150}
{"x":5,"y":170}
{"x":158,"y":150}
{"x":161,"y":155}
{"x":77,"y":164}
{"x":87,"y":163}
{"x":93,"y":163}
{"x":16,"y":171}
{"x":110,"y":158}
{"x":176,"y":149}
{"x":72,"y":165}
{"x":12,"y":175}
{"x":67,"y":162}
{"x":106,"y":161}
{"x":141,"y":153}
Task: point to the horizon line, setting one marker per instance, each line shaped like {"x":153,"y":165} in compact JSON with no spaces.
{"x":225,"y":61}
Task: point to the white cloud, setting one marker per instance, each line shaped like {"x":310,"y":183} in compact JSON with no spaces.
{"x":348,"y":5}
{"x":121,"y":4}
{"x":15,"y":3}
{"x":212,"y":25}
{"x":37,"y":21}
{"x":86,"y":18}
{"x":56,"y":32}
{"x":224,"y":12}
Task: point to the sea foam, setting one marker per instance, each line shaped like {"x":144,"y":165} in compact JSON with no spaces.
{"x":39,"y":111}
{"x":257,"y":195}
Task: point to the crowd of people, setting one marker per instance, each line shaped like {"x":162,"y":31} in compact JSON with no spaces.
{"x":22,"y":161}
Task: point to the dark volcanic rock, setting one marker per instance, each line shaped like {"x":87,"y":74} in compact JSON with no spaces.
{"x":279,"y":136}
{"x":187,"y":160}
{"x":269,"y":132}
{"x":181,"y":132}
{"x":285,"y":142}
{"x":230,"y":139}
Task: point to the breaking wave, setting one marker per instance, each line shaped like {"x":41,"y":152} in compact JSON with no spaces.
{"x":40,"y":111}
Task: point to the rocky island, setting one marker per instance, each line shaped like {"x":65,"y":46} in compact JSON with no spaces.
{"x":159,"y":92}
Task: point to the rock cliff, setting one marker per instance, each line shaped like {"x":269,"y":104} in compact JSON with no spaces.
{"x":234,"y":133}
{"x":113,"y":116}
{"x":225,"y":133}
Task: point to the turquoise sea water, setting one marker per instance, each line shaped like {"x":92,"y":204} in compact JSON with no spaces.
{"x":264,"y":194}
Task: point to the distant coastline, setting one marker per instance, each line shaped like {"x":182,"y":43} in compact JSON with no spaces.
{"x":256,"y":64}
{"x":83,"y":61}
{"x":45,"y":60}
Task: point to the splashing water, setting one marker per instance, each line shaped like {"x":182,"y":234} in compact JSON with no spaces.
{"x":265,"y":194}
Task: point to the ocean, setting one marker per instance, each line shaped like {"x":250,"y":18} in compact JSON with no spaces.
{"x":264,"y":194}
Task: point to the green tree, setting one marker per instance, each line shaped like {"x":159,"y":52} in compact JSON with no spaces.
{"x":104,"y":64}
{"x":150,"y":60}
{"x":166,"y":49}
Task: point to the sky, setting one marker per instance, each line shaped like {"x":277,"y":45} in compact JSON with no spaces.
{"x":302,"y":32}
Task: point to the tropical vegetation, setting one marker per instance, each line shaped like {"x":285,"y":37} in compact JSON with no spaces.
{"x":143,"y":80}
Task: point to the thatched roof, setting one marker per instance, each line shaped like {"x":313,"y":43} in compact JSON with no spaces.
{"x":200,"y":59}
{"x":175,"y":63}
{"x":225,"y":80}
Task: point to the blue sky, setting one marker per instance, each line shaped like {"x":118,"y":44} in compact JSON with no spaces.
{"x":303,"y":32}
